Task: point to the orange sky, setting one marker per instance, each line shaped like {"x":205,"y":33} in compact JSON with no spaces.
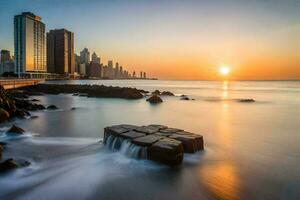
{"x":174,"y":39}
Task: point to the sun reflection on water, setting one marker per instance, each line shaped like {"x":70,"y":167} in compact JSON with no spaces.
{"x":221,"y":180}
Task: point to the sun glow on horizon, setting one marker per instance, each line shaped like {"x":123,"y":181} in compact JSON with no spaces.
{"x":224,"y":70}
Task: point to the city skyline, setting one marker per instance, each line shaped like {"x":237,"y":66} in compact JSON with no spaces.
{"x":261,"y":44}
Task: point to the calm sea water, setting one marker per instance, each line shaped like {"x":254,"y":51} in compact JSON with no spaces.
{"x":252,"y":150}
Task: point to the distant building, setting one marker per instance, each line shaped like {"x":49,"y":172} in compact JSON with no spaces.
{"x":60,"y":52}
{"x":117,"y":70}
{"x":145,"y":75}
{"x":94,"y":70}
{"x":105,"y":72}
{"x":85,"y":56}
{"x":121,"y":72}
{"x":110,"y":68}
{"x":4,"y":56}
{"x":82,"y":69}
{"x":95,"y":58}
{"x":7,"y":66}
{"x":77,"y":62}
{"x":133,"y":74}
{"x":30,"y":44}
{"x":141,"y":75}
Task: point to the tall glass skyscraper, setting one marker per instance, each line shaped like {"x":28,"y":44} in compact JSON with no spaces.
{"x":30,"y":44}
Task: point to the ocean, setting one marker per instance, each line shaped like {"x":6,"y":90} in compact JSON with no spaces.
{"x":252,"y":150}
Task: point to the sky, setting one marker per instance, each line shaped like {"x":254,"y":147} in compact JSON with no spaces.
{"x":177,"y":39}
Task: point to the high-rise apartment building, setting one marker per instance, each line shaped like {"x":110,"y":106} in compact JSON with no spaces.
{"x":60,"y":52}
{"x":95,"y":58}
{"x":85,"y":56}
{"x":4,"y":56}
{"x":30,"y":44}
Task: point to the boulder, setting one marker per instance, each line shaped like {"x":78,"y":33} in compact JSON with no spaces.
{"x":167,"y":151}
{"x":21,"y":113}
{"x":246,"y":100}
{"x":4,"y":115}
{"x":189,"y":142}
{"x":154,"y":99}
{"x":34,"y":117}
{"x":156,"y":92}
{"x":10,"y":164}
{"x":185,"y":98}
{"x":167,"y":93}
{"x":170,"y":130}
{"x":159,"y":143}
{"x":146,"y":140}
{"x":73,"y":108}
{"x":132,"y":135}
{"x":52,"y":107}
{"x":146,"y":129}
{"x":158,"y":126}
{"x":114,"y":130}
{"x":15,"y":130}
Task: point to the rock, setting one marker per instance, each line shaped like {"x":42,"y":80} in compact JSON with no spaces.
{"x":185,"y":98}
{"x":191,"y":143}
{"x":167,"y":93}
{"x":159,"y":143}
{"x":114,"y":131}
{"x":86,"y":90}
{"x":4,"y":115}
{"x":34,"y":100}
{"x":167,"y":151}
{"x":146,"y":140}
{"x":198,"y":138}
{"x":246,"y":100}
{"x":157,"y":126}
{"x":10,"y":164}
{"x":34,"y":117}
{"x":15,"y":130}
{"x":52,"y":107}
{"x":21,"y":113}
{"x":146,"y":129}
{"x":73,"y":108}
{"x":170,"y":130}
{"x":132,"y":135}
{"x":155,"y":99}
{"x":156,"y":92}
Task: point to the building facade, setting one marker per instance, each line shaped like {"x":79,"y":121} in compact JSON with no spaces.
{"x":60,"y":52}
{"x":4,"y":56}
{"x":95,"y":58}
{"x":30,"y":44}
{"x":85,"y":56}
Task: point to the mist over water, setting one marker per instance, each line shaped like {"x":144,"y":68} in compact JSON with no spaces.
{"x":251,"y":149}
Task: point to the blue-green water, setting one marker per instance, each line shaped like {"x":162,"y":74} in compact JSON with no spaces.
{"x":252,"y":150}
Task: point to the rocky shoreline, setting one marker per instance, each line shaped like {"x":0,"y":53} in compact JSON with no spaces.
{"x":86,"y":90}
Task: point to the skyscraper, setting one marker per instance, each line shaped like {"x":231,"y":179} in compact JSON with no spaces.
{"x":4,"y":56}
{"x":117,"y":70}
{"x":30,"y":46}
{"x":95,"y":58}
{"x":60,"y":51}
{"x":110,"y":69}
{"x":85,"y":56}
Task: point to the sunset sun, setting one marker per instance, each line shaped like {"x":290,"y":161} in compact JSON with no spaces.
{"x":224,"y":70}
